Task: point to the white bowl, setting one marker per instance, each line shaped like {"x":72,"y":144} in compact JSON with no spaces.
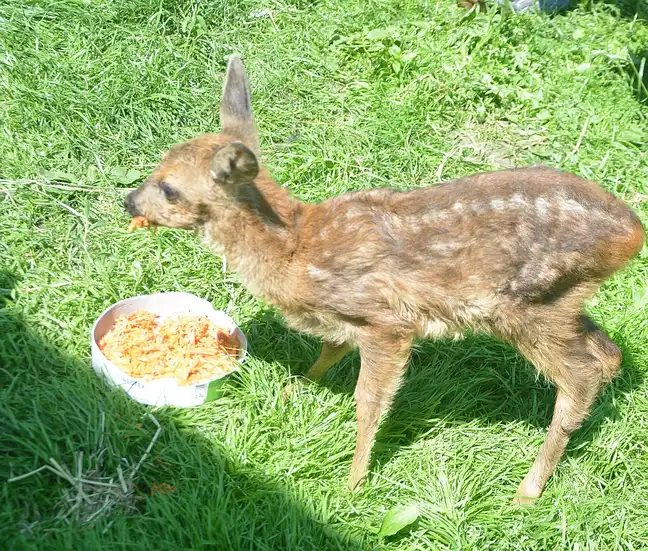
{"x":161,"y":392}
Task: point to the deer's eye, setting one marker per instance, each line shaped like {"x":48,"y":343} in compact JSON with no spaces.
{"x":171,"y":194}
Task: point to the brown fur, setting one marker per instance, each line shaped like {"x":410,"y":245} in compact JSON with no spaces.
{"x":512,"y":253}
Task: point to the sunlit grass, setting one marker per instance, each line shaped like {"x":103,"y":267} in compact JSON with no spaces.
{"x":347,"y":95}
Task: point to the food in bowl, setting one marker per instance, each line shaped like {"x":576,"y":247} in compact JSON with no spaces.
{"x":190,"y":348}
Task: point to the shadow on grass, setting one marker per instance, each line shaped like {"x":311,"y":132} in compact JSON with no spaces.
{"x":457,"y":382}
{"x":637,"y":69}
{"x":7,"y":284}
{"x":628,"y":9}
{"x":51,"y":404}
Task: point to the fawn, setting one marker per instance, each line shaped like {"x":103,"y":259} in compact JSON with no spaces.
{"x":512,"y":253}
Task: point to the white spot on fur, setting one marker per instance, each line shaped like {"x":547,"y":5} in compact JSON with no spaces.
{"x":571,"y":206}
{"x":497,"y":204}
{"x":317,"y":273}
{"x":476,"y":207}
{"x":445,"y":246}
{"x":458,"y":206}
{"x":518,"y":200}
{"x":542,"y":206}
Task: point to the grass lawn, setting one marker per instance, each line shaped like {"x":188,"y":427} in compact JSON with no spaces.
{"x":348,"y":95}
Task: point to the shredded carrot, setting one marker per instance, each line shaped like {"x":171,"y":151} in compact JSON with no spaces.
{"x":162,"y":488}
{"x":187,"y":347}
{"x":138,"y":222}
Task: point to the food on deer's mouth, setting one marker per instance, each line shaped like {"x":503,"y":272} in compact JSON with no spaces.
{"x":138,"y":222}
{"x":186,"y":347}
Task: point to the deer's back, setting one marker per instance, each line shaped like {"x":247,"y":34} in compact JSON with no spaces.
{"x":521,"y":234}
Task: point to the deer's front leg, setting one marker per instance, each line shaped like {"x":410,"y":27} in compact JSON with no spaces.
{"x":383,"y":362}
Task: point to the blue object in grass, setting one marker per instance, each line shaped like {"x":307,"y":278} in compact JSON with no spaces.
{"x":521,"y":6}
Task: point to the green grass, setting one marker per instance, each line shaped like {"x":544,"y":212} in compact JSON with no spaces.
{"x":348,"y":95}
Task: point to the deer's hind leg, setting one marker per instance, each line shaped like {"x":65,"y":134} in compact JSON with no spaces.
{"x":329,"y":356}
{"x":580,"y":359}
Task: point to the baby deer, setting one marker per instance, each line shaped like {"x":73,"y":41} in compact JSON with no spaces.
{"x":511,"y":253}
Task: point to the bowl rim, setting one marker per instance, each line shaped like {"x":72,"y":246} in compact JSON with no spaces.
{"x":143,"y":381}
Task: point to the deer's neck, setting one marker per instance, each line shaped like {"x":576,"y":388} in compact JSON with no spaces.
{"x":259,"y":237}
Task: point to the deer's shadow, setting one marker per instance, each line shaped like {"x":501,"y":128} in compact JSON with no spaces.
{"x":458,"y":382}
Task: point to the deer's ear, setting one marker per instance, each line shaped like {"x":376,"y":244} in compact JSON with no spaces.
{"x":236,"y":106}
{"x":234,"y":164}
